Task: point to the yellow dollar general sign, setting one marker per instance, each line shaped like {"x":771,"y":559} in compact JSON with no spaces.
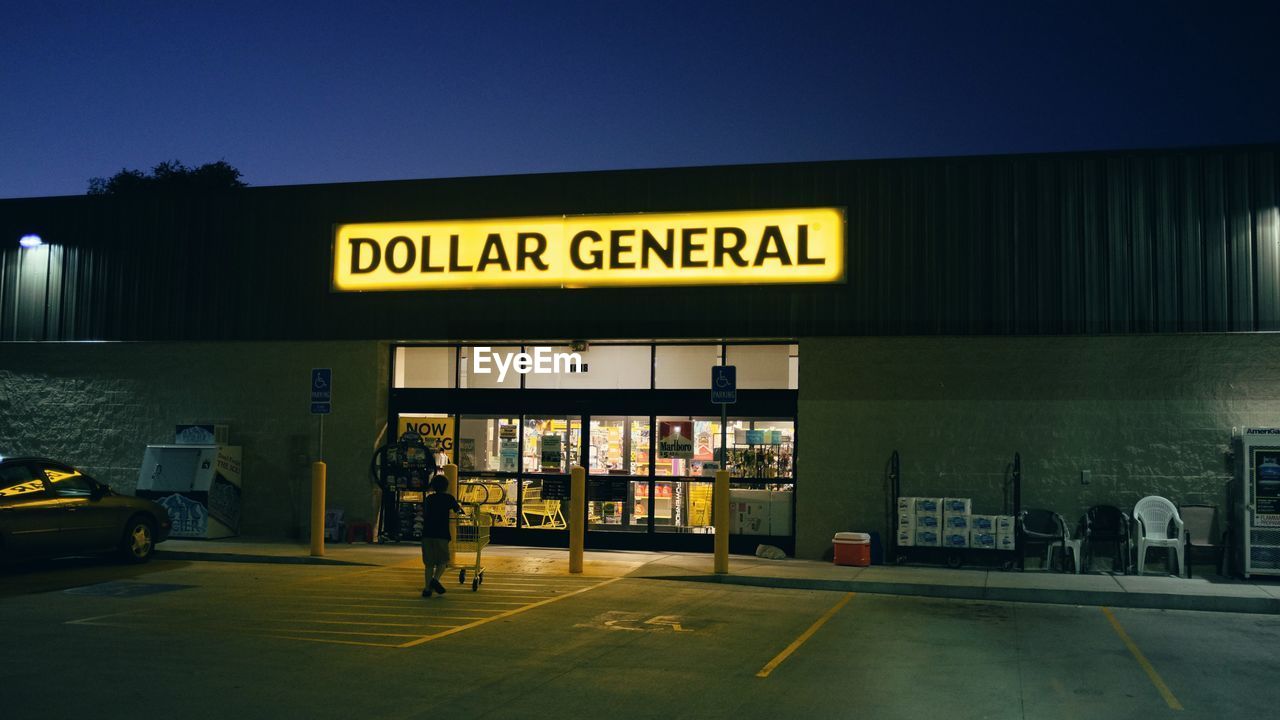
{"x":799,"y":245}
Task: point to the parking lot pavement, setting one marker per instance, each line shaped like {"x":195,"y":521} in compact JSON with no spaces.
{"x":214,"y":639}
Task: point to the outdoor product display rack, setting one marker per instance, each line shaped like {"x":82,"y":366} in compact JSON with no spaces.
{"x":401,"y":469}
{"x":952,"y":557}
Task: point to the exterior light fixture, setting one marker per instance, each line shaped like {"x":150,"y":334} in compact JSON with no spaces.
{"x":30,"y":241}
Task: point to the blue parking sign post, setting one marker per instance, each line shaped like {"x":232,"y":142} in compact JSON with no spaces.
{"x":321,"y":397}
{"x":724,"y":384}
{"x":321,"y":390}
{"x":724,"y":390}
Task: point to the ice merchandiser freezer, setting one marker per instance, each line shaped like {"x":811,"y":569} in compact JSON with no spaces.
{"x":198,"y":484}
{"x":1257,"y":502}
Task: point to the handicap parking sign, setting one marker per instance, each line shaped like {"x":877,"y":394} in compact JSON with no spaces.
{"x":321,"y":390}
{"x":724,"y":384}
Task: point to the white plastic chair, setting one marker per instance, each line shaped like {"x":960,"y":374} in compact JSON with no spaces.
{"x":1154,"y":514}
{"x":1068,"y":543}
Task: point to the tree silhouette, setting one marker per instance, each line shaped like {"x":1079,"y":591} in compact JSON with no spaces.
{"x":170,"y":175}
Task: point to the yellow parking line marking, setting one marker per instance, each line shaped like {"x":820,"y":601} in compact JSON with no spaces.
{"x":374,"y":598}
{"x":377,"y":624}
{"x":499,"y":616}
{"x":405,"y":597}
{"x":1146,"y":665}
{"x":333,"y":641}
{"x":392,"y":615}
{"x":493,"y":602}
{"x":804,"y":637}
{"x":346,"y":632}
{"x":342,"y":576}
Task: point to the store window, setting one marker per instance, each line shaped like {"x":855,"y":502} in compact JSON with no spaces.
{"x":488,"y":460}
{"x":684,"y":367}
{"x":550,"y":449}
{"x":425,"y":367}
{"x":488,"y":444}
{"x":604,"y":367}
{"x":487,"y":374}
{"x":762,"y":449}
{"x":793,"y":367}
{"x":683,"y":506}
{"x":703,"y":438}
{"x":761,"y":367}
{"x":762,"y":477}
{"x":618,"y":486}
{"x":436,"y":431}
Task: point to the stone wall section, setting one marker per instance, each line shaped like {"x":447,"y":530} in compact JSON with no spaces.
{"x":97,"y":405}
{"x":1147,"y":415}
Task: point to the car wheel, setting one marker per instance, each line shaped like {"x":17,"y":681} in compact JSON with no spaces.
{"x":139,"y":541}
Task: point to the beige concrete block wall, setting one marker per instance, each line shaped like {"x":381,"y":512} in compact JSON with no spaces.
{"x":1145,"y":414}
{"x":96,"y":405}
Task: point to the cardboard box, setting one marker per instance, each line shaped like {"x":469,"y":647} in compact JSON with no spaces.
{"x":907,"y":505}
{"x":906,"y":520}
{"x":1005,"y":524}
{"x":956,"y":522}
{"x":982,"y":539}
{"x":983,"y":522}
{"x":906,"y":538}
{"x":1005,"y":542}
{"x":928,"y":505}
{"x":958,"y":506}
{"x":955,"y":538}
{"x":928,"y":538}
{"x":927,"y":522}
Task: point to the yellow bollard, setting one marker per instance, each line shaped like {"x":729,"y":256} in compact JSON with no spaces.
{"x":451,"y":474}
{"x":317,"y":508}
{"x":577,"y":521}
{"x":720,"y":518}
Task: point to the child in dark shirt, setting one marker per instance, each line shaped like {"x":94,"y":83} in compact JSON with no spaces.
{"x":435,"y":533}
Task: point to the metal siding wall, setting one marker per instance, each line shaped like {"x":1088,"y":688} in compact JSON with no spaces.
{"x":1123,"y":242}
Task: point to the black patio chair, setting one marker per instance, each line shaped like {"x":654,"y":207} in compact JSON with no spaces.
{"x":1107,"y":525}
{"x":1048,"y":528}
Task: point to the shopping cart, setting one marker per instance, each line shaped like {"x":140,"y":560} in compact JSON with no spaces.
{"x":471,"y":534}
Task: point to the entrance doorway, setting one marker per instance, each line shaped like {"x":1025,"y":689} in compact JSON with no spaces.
{"x":526,"y":439}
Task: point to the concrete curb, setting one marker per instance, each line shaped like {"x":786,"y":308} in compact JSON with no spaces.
{"x":162,"y":554}
{"x":1152,"y":601}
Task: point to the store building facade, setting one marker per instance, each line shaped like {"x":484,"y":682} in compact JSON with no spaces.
{"x":1104,"y":312}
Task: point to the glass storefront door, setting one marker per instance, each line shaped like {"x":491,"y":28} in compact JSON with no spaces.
{"x":550,"y":448}
{"x":488,"y":452}
{"x":618,"y":474}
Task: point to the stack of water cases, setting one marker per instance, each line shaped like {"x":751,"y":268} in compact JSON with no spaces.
{"x":919,"y":522}
{"x":950,"y":523}
{"x":955,"y":522}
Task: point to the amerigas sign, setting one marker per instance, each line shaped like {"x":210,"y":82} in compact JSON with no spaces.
{"x":751,"y":247}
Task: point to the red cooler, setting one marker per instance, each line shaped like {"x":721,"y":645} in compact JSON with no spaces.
{"x":852,"y":548}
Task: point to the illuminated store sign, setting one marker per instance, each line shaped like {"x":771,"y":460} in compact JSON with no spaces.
{"x":804,"y":245}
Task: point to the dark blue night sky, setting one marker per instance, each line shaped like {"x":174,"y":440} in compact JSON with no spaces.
{"x":329,"y":92}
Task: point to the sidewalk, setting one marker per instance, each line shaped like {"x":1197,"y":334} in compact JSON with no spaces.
{"x":1150,"y":591}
